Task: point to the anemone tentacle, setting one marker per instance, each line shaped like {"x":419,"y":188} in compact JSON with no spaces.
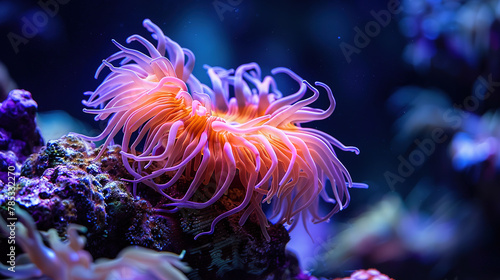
{"x":241,"y":128}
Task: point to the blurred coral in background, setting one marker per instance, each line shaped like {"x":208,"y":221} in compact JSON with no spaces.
{"x":442,"y":31}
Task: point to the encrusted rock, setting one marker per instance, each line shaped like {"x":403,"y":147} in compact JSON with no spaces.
{"x":64,"y":183}
{"x":19,"y":135}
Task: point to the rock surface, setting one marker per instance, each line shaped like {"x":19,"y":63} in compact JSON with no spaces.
{"x":64,"y":183}
{"x":19,"y":135}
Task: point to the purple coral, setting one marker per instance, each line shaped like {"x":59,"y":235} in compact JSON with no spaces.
{"x":19,"y":135}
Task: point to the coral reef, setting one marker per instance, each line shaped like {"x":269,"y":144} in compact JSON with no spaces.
{"x":65,"y":184}
{"x":19,"y":135}
{"x":68,"y":261}
{"x":62,"y":184}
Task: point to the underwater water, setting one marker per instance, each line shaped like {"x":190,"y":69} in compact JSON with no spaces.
{"x":416,"y":89}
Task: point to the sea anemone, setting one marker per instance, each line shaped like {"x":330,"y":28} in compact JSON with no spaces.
{"x":242,"y":128}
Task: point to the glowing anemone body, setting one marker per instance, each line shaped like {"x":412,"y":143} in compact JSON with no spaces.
{"x":240,"y":129}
